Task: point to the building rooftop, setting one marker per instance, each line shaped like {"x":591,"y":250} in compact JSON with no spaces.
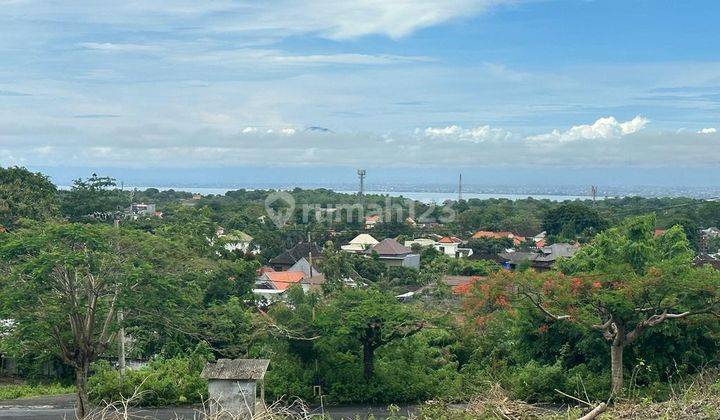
{"x":390,"y":246}
{"x":364,"y":239}
{"x":236,"y":369}
{"x":294,"y":254}
{"x":282,"y":280}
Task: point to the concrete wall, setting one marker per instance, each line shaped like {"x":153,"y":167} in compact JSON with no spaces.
{"x":235,"y":397}
{"x":412,"y":261}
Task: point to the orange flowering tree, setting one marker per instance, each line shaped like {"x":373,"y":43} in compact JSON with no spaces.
{"x":625,"y":282}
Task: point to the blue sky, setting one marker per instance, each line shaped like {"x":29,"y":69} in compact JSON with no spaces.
{"x":422,"y":83}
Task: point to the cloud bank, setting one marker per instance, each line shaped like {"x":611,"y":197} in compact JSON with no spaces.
{"x":214,"y":145}
{"x":602,"y":129}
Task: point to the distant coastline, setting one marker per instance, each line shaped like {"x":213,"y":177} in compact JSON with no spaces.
{"x":442,"y":192}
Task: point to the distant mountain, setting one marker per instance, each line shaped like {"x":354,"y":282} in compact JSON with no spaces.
{"x":319,"y":129}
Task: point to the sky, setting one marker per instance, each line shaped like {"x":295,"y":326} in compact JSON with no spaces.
{"x":428,"y":86}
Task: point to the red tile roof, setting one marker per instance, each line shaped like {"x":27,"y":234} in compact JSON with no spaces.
{"x":262,"y":270}
{"x":499,"y":235}
{"x":450,"y":240}
{"x":658,"y":232}
{"x":282,"y":280}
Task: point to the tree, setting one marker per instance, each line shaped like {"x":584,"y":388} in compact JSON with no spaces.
{"x":571,"y":220}
{"x":92,"y":196}
{"x":489,"y":248}
{"x":24,"y":194}
{"x":370,"y":319}
{"x":336,"y":266}
{"x":621,"y":285}
{"x":63,"y":284}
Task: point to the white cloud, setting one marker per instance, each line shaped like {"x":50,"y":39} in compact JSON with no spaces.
{"x":476,"y":134}
{"x":603,"y":128}
{"x":710,"y":130}
{"x":107,"y":46}
{"x":249,"y":130}
{"x":261,"y":57}
{"x":327,"y":18}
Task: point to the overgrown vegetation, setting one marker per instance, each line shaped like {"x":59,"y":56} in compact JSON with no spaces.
{"x":12,"y":391}
{"x":628,"y":309}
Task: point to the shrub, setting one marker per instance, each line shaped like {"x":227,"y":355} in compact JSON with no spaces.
{"x":10,"y":392}
{"x":163,"y":382}
{"x":537,"y":383}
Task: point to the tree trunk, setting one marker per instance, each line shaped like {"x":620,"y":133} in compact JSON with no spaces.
{"x":82,"y":408}
{"x":616,"y":362}
{"x":368,"y":361}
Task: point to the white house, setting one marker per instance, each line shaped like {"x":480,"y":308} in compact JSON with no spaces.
{"x":236,"y":240}
{"x":423,"y":242}
{"x":448,"y":245}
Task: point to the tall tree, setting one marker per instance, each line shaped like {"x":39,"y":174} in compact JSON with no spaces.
{"x":571,"y":220}
{"x":24,"y":194}
{"x":621,"y":285}
{"x":63,"y":283}
{"x":92,"y":196}
{"x":368,"y":319}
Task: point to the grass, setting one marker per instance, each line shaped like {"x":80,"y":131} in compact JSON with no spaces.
{"x":12,"y":391}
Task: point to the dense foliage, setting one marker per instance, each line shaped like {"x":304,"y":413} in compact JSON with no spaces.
{"x":180,"y":290}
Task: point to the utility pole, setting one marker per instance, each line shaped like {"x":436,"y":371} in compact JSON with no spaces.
{"x":361,"y":173}
{"x":121,"y":332}
{"x":460,"y":188}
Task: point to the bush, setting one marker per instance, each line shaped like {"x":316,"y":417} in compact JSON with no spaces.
{"x":164,"y":382}
{"x":537,"y":383}
{"x":10,"y":392}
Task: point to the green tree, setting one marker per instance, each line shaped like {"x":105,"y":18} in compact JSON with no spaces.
{"x":24,"y":194}
{"x":571,"y":220}
{"x":623,"y":284}
{"x":64,"y":283}
{"x":336,"y":266}
{"x":370,"y":319}
{"x":488,"y":248}
{"x":94,"y":195}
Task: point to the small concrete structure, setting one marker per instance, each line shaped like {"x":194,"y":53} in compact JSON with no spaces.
{"x":232,"y":386}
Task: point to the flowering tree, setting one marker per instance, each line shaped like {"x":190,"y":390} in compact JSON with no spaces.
{"x":621,"y":285}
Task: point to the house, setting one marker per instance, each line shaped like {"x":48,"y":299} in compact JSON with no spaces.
{"x":708,"y":240}
{"x":707,"y":259}
{"x":516,"y":239}
{"x":542,"y":259}
{"x":272,"y":285}
{"x":360,"y":243}
{"x":236,"y":240}
{"x":287,"y":259}
{"x":371,"y":221}
{"x":658,"y":232}
{"x":540,"y":239}
{"x":303,"y":265}
{"x":138,"y":210}
{"x":394,"y":254}
{"x":423,"y":242}
{"x":450,"y":245}
{"x":313,"y":283}
{"x":711,"y":232}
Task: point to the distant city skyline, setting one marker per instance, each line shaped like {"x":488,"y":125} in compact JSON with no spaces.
{"x":624,"y":87}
